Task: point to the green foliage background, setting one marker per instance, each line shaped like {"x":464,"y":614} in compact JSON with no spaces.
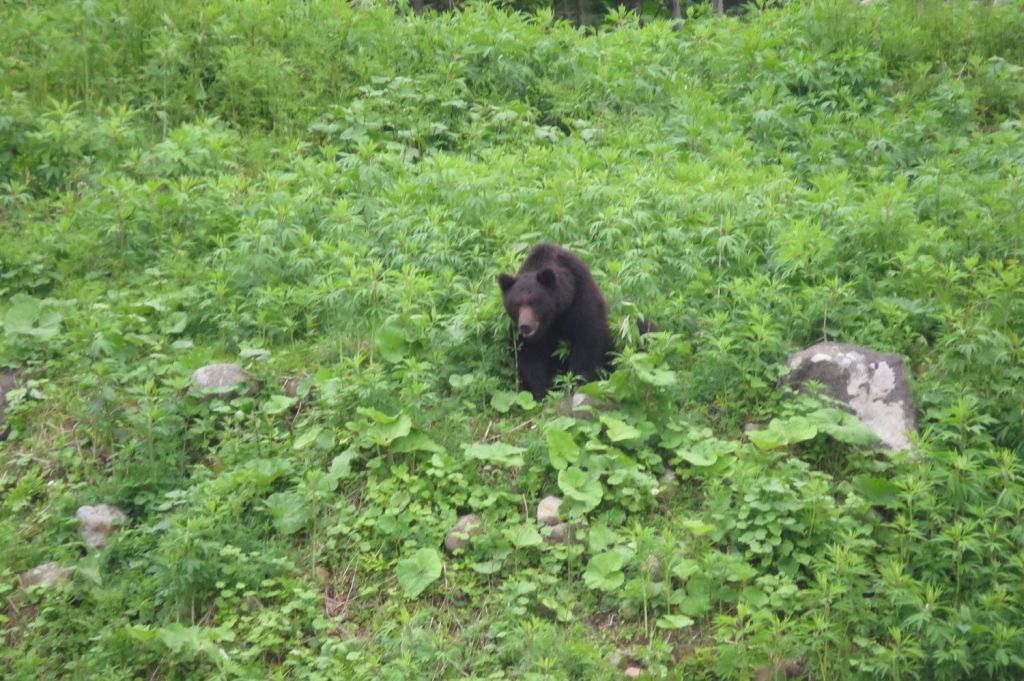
{"x":327,"y":191}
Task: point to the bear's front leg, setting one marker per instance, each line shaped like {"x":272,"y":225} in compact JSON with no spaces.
{"x":585,"y":363}
{"x":588,"y":354}
{"x":537,"y":367}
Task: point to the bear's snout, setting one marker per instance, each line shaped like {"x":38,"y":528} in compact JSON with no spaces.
{"x":528,"y":322}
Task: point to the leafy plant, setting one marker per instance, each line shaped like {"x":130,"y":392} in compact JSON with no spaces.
{"x":419,"y":571}
{"x":324,"y":194}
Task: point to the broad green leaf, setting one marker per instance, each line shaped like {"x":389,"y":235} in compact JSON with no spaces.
{"x":488,"y":567}
{"x":390,"y":341}
{"x":143,"y":633}
{"x":25,"y":316}
{"x":685,"y":568}
{"x":697,"y":457}
{"x":695,"y":606}
{"x":174,"y":323}
{"x":289,"y":511}
{"x":562,"y":448}
{"x":767,"y":439}
{"x":416,"y":441}
{"x":739,"y":571}
{"x":674,"y":621}
{"x":648,"y":372}
{"x":419,"y":571}
{"x":22,"y":314}
{"x":799,"y":429}
{"x":754,"y":597}
{"x":526,"y":401}
{"x":563,"y":612}
{"x":523,"y":536}
{"x":695,"y":599}
{"x":672,"y":436}
{"x":307,"y":437}
{"x":263,"y":472}
{"x":843,"y":426}
{"x":496,"y":452}
{"x":780,"y":433}
{"x":581,"y":486}
{"x":397,"y":501}
{"x":320,"y":482}
{"x":385,"y":434}
{"x":179,"y":638}
{"x":278,"y":404}
{"x":602,"y":537}
{"x":604,"y":571}
{"x":377,"y":415}
{"x":386,"y":428}
{"x":706,"y":452}
{"x":325,"y":440}
{"x":619,"y":430}
{"x":341,"y":465}
{"x":878,"y":491}
{"x":503,"y":400}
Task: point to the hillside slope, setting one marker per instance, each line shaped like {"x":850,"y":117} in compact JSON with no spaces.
{"x":324,"y":192}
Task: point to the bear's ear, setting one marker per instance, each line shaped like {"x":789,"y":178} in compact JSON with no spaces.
{"x":506,"y":281}
{"x":546,"y":277}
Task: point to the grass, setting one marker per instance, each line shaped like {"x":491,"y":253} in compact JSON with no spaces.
{"x":327,"y":191}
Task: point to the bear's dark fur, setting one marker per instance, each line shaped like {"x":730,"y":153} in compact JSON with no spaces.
{"x":553,"y":297}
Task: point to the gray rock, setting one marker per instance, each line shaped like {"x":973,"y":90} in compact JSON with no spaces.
{"x":559,"y":533}
{"x":221,"y":376}
{"x":97,"y":523}
{"x":290,"y":386}
{"x":462,"y":533}
{"x":8,"y":382}
{"x":872,"y":384}
{"x":547,"y":510}
{"x":633,"y":672}
{"x":578,"y":406}
{"x":47,"y":574}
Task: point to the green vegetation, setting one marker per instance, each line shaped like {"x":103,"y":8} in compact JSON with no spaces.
{"x":328,"y":191}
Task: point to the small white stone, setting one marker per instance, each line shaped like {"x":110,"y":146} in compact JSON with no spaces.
{"x":462,"y":533}
{"x":214,"y":376}
{"x":616,"y":658}
{"x":46,"y":574}
{"x":578,"y":406}
{"x":559,"y":534}
{"x":97,"y":523}
{"x":547,"y":510}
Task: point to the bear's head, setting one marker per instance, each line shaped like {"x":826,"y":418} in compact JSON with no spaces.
{"x":532,"y":300}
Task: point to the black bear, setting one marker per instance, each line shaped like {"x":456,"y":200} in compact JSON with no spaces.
{"x":553,"y":297}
